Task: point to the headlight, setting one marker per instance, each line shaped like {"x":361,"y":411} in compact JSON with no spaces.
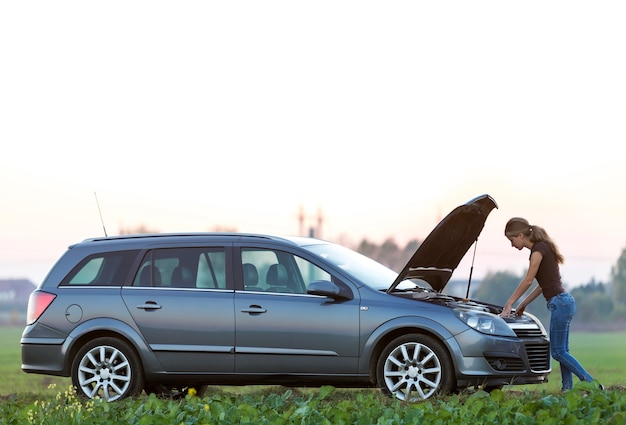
{"x":486,"y":323}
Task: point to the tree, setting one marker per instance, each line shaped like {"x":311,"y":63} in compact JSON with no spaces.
{"x":389,"y":253}
{"x":593,"y":304}
{"x":618,"y":278}
{"x":496,"y":287}
{"x":368,"y":249}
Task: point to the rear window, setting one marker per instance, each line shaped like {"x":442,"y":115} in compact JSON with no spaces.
{"x":102,"y":269}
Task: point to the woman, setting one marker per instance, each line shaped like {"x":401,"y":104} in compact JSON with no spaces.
{"x":545,"y":258}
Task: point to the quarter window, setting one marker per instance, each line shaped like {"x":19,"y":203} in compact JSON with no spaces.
{"x":103,"y":269}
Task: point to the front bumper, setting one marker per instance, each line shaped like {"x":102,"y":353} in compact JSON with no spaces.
{"x":496,"y":360}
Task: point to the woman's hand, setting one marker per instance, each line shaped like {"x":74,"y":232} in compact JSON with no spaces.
{"x":506,"y":311}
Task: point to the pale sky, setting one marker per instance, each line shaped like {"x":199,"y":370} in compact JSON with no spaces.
{"x":187,"y":116}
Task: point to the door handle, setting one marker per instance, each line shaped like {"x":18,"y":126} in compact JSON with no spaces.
{"x":254,"y":309}
{"x":149,"y":305}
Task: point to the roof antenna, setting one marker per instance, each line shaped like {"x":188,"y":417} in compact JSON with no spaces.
{"x":469,"y":282}
{"x":100,"y":212}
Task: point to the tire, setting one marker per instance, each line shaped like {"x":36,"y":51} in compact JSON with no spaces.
{"x":414,"y":367}
{"x":107,"y":368}
{"x":174,"y":392}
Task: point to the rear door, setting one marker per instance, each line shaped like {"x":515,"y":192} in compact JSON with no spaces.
{"x":283,"y":330}
{"x":182,"y":301}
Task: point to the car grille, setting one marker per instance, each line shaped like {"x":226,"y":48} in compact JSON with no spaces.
{"x":538,"y":352}
{"x":538,"y":355}
{"x":528,"y":332}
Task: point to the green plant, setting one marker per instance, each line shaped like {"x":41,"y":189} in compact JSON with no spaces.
{"x":327,"y":405}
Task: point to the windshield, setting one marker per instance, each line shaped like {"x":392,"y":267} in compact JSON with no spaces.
{"x":363,"y":269}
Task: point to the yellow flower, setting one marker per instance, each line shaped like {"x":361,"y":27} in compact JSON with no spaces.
{"x":206,"y":407}
{"x":192,"y":391}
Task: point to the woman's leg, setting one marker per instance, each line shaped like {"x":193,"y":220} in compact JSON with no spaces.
{"x":562,"y":309}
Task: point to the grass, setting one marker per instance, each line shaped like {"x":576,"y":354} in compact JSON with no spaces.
{"x":602,"y":354}
{"x":13,"y":379}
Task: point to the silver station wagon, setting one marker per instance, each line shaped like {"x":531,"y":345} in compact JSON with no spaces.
{"x":164,"y":313}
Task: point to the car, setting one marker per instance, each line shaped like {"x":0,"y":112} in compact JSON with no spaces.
{"x":164,"y":313}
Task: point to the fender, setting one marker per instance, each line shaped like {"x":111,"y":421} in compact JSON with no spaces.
{"x":415,"y":322}
{"x":111,"y":326}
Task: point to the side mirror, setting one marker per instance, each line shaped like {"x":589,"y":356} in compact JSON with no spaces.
{"x":326,"y":288}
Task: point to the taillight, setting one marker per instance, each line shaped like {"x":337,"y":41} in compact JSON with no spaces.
{"x":38,"y":302}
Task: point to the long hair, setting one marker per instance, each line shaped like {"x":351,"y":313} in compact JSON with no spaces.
{"x":534,"y":233}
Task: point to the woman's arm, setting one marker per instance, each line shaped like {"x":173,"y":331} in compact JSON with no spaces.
{"x":535,"y":260}
{"x":530,"y":298}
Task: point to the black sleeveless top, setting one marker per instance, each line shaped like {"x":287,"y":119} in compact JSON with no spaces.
{"x":548,"y":275}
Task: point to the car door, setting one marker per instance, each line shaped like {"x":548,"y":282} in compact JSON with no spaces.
{"x":182,"y":301}
{"x":283,"y":330}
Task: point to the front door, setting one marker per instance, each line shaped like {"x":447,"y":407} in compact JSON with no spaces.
{"x":283,"y":330}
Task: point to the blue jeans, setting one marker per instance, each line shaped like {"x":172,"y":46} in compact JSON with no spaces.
{"x":562,"y":308}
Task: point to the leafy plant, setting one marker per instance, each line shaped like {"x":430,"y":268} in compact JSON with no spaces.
{"x":327,"y":405}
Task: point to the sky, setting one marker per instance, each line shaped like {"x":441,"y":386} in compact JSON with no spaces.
{"x":380,"y":116}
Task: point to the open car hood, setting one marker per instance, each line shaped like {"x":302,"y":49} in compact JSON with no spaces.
{"x":442,"y":251}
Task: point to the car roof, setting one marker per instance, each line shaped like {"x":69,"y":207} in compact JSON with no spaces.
{"x":139,"y":240}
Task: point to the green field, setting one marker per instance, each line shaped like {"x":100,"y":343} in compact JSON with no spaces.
{"x":602,"y":354}
{"x":13,"y":379}
{"x":44,"y":400}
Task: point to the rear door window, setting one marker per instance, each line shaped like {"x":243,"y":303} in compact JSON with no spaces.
{"x":195,"y":267}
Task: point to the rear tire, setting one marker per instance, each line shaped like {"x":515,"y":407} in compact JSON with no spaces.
{"x":414,"y":367}
{"x":107,"y":368}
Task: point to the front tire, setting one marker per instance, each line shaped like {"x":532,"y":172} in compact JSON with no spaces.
{"x":107,"y":368}
{"x":414,"y":367}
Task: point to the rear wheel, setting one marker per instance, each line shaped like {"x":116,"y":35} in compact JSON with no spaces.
{"x":414,"y":367}
{"x":107,"y":368}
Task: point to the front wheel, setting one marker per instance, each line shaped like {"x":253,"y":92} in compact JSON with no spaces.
{"x":413,"y":367}
{"x":107,"y":368}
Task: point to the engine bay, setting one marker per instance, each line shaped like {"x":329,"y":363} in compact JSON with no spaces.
{"x":429,"y":295}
